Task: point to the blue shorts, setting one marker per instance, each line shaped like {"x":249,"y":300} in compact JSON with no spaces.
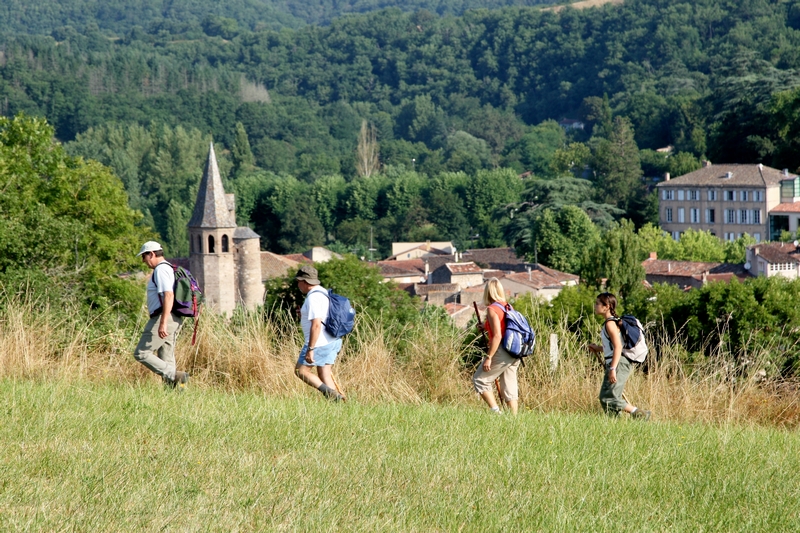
{"x":323,"y":355}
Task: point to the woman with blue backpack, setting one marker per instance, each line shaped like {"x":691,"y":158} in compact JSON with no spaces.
{"x":618,"y":367}
{"x":498,"y":362}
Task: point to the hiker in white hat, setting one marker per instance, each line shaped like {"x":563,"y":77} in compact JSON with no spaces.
{"x":156,"y":348}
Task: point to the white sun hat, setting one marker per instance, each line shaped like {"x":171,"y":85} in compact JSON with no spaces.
{"x":149,"y":246}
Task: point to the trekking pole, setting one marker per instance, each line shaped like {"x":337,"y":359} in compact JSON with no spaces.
{"x":483,"y":334}
{"x":338,"y":388}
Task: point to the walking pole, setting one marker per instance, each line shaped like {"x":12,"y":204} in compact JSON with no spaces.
{"x":483,"y":334}
{"x":338,"y":388}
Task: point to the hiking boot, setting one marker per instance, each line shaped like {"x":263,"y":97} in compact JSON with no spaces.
{"x":643,"y":415}
{"x":180,"y":381}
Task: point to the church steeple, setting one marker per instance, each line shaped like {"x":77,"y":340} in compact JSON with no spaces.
{"x":211,"y":209}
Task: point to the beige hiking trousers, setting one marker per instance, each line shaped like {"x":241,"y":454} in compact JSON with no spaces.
{"x":156,"y":353}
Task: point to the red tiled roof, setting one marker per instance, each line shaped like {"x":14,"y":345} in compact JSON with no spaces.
{"x":741,"y":175}
{"x":464,"y":268}
{"x":454,"y":308}
{"x":425,"y":288}
{"x":787,"y":207}
{"x":777,"y":252}
{"x":300,"y":258}
{"x":695,"y":269}
{"x":275,"y":266}
{"x":536,"y":279}
{"x":428,"y":249}
{"x":476,"y":288}
{"x":417,"y":266}
{"x":557,"y":274}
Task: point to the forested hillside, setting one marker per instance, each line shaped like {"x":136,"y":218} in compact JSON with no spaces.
{"x":444,"y":99}
{"x":182,"y":16}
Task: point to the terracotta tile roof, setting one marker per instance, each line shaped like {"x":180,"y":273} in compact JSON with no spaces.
{"x":536,"y":279}
{"x":300,"y":258}
{"x":495,"y":258}
{"x":489,"y":274}
{"x":464,"y":268}
{"x":416,"y":266}
{"x":391,"y":271}
{"x":426,"y":288}
{"x":455,"y":308}
{"x":476,"y":288}
{"x":504,"y":259}
{"x":408,"y":287}
{"x":563,"y":277}
{"x":275,"y":266}
{"x":788,"y":207}
{"x":741,"y":175}
{"x":777,"y":252}
{"x":694,"y":269}
{"x":429,"y":250}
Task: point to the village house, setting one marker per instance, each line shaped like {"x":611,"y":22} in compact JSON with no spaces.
{"x":463,"y":275}
{"x":402,"y":272}
{"x":414,"y":250}
{"x":690,"y":274}
{"x":727,"y":200}
{"x":539,"y":281}
{"x":774,"y":259}
{"x":785,"y":217}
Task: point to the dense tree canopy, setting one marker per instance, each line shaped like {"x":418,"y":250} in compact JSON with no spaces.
{"x":64,"y":221}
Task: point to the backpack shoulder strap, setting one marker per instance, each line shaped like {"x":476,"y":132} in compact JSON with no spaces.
{"x":153,"y":277}
{"x":615,"y":319}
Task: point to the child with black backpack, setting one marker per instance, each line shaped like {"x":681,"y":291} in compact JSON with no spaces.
{"x":617,"y":358}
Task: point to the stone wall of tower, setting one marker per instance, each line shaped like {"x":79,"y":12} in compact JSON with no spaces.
{"x":214,"y":271}
{"x":248,"y":273}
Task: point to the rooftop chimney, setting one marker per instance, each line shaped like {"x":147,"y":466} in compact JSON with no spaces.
{"x":706,"y":163}
{"x":666,"y":176}
{"x":728,"y":175}
{"x":529,"y":273}
{"x":653,"y":255}
{"x":669,"y":267}
{"x":786,"y":172}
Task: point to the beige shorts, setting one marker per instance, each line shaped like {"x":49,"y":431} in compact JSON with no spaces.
{"x":504,"y":366}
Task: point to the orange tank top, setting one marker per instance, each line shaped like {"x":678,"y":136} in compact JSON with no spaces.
{"x":499,"y":309}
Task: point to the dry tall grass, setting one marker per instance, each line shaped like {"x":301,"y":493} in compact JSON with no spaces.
{"x":423,"y":364}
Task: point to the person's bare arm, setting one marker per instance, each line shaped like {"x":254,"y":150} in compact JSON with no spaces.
{"x":316,"y":329}
{"x":616,"y":342}
{"x":167,"y":300}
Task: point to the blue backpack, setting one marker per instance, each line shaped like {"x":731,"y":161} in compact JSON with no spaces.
{"x":519,"y":339}
{"x":341,"y":315}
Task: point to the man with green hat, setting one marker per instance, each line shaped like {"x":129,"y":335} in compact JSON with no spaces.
{"x":321,"y":348}
{"x":156,"y":348}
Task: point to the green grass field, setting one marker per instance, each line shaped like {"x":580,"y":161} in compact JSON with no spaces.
{"x":78,"y":456}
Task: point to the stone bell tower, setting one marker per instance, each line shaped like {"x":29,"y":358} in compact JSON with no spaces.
{"x":211,"y":232}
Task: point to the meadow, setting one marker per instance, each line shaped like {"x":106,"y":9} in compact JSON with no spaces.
{"x":89,"y":440}
{"x":82,"y":456}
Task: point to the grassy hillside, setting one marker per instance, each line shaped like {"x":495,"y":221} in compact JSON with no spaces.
{"x":85,"y":457}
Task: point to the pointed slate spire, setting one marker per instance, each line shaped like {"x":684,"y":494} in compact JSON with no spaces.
{"x":211,"y":208}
